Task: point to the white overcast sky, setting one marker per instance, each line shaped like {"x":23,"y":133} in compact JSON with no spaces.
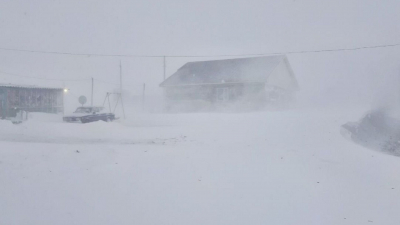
{"x":204,"y":27}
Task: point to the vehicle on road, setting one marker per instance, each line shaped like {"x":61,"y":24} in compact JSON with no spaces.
{"x":86,"y":114}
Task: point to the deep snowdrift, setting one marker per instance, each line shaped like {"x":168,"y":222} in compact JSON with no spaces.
{"x":379,"y":129}
{"x":291,"y":167}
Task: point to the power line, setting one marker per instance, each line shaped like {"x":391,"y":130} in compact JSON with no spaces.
{"x":78,"y":54}
{"x":199,"y":56}
{"x":40,"y":78}
{"x":56,"y":79}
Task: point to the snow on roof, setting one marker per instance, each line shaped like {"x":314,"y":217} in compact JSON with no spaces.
{"x":241,"y":70}
{"x":30,"y":83}
{"x":28,"y":86}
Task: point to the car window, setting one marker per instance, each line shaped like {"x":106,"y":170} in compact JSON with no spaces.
{"x":83,"y":110}
{"x":97,"y":109}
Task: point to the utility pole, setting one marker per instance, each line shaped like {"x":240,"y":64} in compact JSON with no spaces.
{"x":165,"y":65}
{"x":398,"y":89}
{"x":91,"y":102}
{"x":143,"y":95}
{"x":120,"y":83}
{"x":120,"y":77}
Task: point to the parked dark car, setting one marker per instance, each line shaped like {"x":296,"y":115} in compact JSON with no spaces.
{"x":89,"y":114}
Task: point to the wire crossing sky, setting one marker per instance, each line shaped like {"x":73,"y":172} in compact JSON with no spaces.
{"x":199,"y":56}
{"x":57,"y":79}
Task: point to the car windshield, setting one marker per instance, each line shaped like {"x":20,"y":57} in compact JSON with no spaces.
{"x":84,"y":110}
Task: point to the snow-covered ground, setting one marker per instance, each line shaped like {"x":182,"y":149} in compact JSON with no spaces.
{"x":290,"y":167}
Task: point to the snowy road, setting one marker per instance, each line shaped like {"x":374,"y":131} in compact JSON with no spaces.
{"x":289,"y":167}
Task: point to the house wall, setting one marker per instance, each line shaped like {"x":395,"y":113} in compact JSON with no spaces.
{"x":282,"y":77}
{"x":234,"y":96}
{"x":182,"y":93}
{"x":215,"y":95}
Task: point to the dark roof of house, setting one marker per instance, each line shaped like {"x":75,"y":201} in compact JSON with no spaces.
{"x":241,"y":70}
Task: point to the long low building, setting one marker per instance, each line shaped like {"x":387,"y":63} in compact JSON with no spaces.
{"x":30,"y":98}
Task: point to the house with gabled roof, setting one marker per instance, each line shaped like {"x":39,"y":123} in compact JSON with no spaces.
{"x":252,"y":81}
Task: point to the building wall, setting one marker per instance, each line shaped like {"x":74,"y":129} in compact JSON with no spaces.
{"x":3,"y":101}
{"x":282,"y":77}
{"x":243,"y":96}
{"x":31,"y":100}
{"x":211,"y":93}
{"x":216,"y":95}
